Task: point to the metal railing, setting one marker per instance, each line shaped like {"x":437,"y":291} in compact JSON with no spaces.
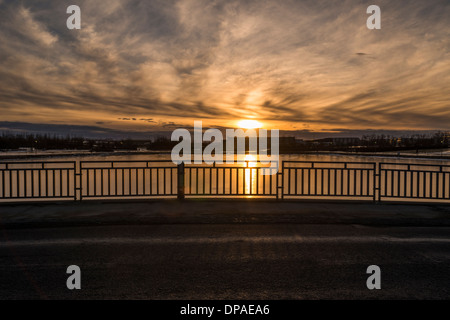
{"x":127,"y":179}
{"x":88,"y":180}
{"x":229,"y":180}
{"x":310,"y":179}
{"x":38,"y":180}
{"x":414,"y":181}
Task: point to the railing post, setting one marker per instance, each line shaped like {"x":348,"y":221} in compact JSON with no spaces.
{"x":180,"y":174}
{"x":77,"y":181}
{"x":280,"y":182}
{"x":377,"y":183}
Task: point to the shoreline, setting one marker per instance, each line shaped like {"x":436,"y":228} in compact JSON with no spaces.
{"x":138,"y":153}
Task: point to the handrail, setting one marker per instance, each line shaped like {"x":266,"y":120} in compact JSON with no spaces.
{"x":148,"y":178}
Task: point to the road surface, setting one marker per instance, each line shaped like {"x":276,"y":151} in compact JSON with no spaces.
{"x":226,"y":261}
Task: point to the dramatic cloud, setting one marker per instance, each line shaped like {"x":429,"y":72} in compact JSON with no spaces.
{"x":296,"y":65}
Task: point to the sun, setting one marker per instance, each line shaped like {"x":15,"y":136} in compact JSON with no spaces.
{"x":249,"y":124}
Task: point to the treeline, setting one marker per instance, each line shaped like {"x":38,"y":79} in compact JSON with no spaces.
{"x":52,"y":142}
{"x":368,"y":143}
{"x":417,"y":141}
{"x":41,"y":142}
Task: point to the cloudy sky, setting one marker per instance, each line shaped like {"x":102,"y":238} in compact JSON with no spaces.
{"x":306,"y":65}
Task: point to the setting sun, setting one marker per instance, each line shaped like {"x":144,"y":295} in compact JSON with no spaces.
{"x":249,"y":124}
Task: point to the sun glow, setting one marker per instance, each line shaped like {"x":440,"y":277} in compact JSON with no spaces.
{"x":250,"y":160}
{"x":249,"y":124}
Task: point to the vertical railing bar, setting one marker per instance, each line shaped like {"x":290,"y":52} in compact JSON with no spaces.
{"x":417,"y":185}
{"x":361,"y":182}
{"x":405,"y":184}
{"x":302,"y":182}
{"x":32,"y":182}
{"x":109,"y":181}
{"x":257,"y":179}
{"x":444,"y":182}
{"x":115,"y":181}
{"x":102,"y":187}
{"x":296,"y":181}
{"x":151,"y":181}
{"x":328,"y":182}
{"x":165,"y":181}
{"x":288,"y":176}
{"x":195,"y":180}
{"x":424,"y":184}
{"x":411,"y":183}
{"x":53,"y":182}
{"x":334,"y":181}
{"x":231,"y":183}
{"x":174,"y":173}
{"x":3,"y":182}
{"x":25,"y":183}
{"x":437,"y":185}
{"x":10,"y":184}
{"x":264,"y":180}
{"x":129,"y":181}
{"x":315,"y":181}
{"x":210,"y":180}
{"x":190,"y":180}
{"x":123,"y":181}
{"x":223,"y":181}
{"x":251,"y":181}
{"x":319,"y":170}
{"x":18,"y":183}
{"x":95,"y":182}
{"x":136,"y":172}
{"x":68,"y":183}
{"x":387,"y":183}
{"x":47,"y":184}
{"x":320,"y":191}
{"x":349,"y":174}
{"x":368,"y":175}
{"x":88,"y":181}
{"x":144,"y":180}
{"x":309,"y":181}
{"x":392,"y":182}
{"x":243,"y":181}
{"x":60,"y":183}
{"x":202,"y":182}
{"x":271,"y":182}
{"x":217,"y":178}
{"x":431,"y":184}
{"x":237,"y":181}
{"x":173,"y":186}
{"x":169,"y":186}
{"x":157,"y":181}
{"x":418,"y":173}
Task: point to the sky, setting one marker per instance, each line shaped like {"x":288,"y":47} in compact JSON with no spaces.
{"x":300,"y":66}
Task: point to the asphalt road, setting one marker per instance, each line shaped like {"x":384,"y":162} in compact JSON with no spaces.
{"x":226,"y":261}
